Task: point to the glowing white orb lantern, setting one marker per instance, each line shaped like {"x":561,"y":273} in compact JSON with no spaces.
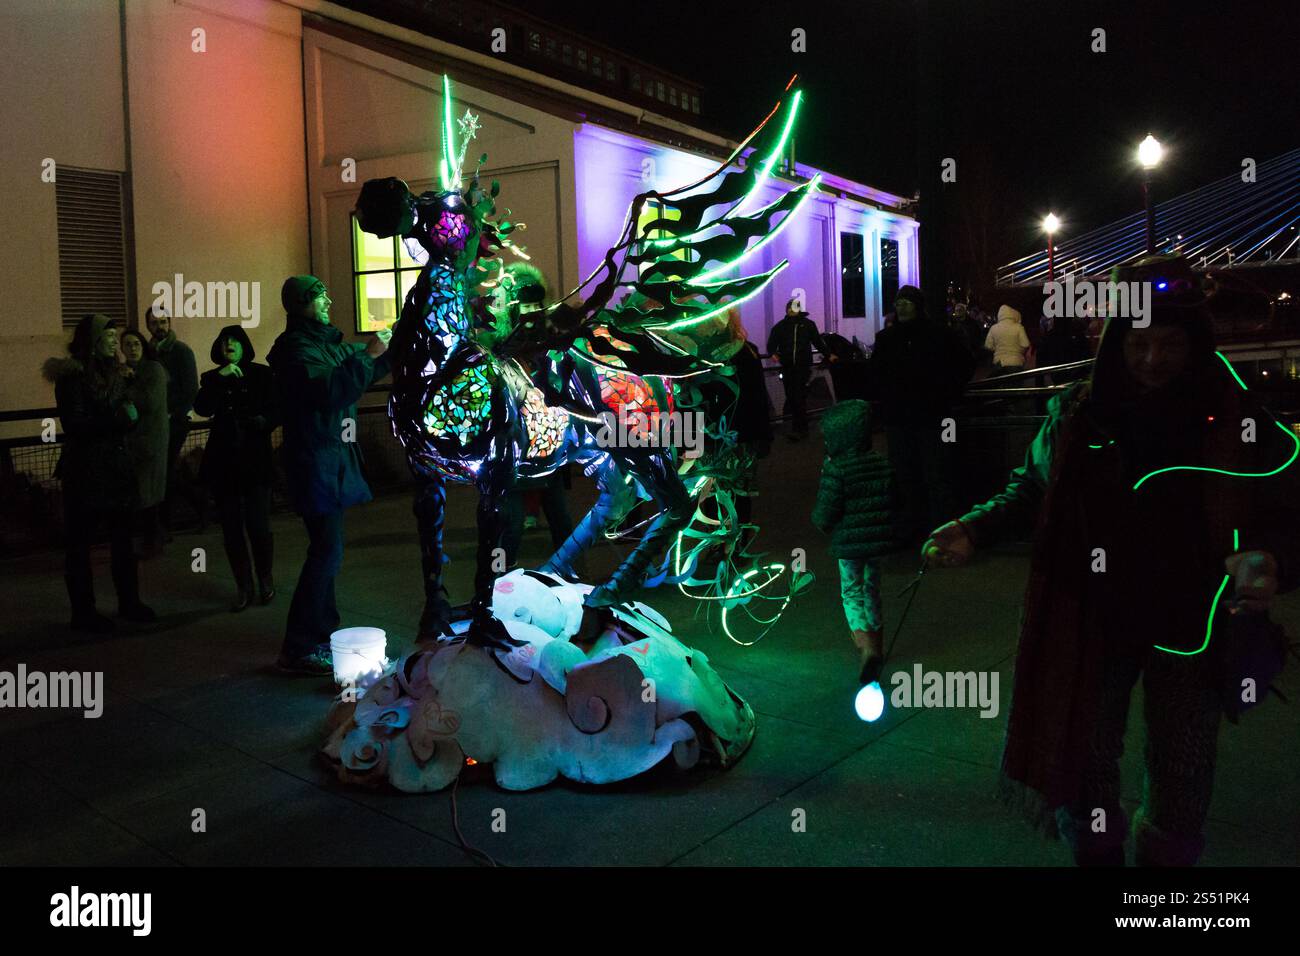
{"x":358,"y":654}
{"x":870,"y":702}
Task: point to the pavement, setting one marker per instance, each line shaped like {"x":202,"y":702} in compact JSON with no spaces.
{"x":196,"y":720}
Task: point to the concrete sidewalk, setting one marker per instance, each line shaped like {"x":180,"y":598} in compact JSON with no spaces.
{"x":195,"y":719}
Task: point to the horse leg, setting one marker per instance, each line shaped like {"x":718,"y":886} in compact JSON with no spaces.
{"x":660,"y":480}
{"x":430,"y":509}
{"x":612,"y":493}
{"x":494,"y":483}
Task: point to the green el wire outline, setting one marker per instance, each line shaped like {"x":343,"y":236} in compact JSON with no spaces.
{"x":1236,"y":532}
{"x":1214,"y":606}
{"x":1295,"y":453}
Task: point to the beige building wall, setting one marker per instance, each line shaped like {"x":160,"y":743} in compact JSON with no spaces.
{"x":217,"y":149}
{"x":216,"y":156}
{"x":61,"y":71}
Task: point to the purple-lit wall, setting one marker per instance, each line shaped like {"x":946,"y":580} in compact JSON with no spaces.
{"x":611,"y":168}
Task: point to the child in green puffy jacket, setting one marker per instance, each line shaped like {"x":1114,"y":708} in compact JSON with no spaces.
{"x":856,"y":505}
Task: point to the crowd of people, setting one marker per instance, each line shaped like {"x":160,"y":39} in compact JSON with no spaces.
{"x":1150,"y":406}
{"x":126,"y":418}
{"x":124,"y":402}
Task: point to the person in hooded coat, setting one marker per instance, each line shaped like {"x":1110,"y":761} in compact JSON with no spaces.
{"x":1147,"y":486}
{"x":319,"y":379}
{"x":856,"y":506}
{"x":239,"y":396}
{"x":98,"y":480}
{"x":1008,"y":341}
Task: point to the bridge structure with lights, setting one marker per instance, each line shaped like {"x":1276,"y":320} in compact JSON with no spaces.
{"x":1240,"y":220}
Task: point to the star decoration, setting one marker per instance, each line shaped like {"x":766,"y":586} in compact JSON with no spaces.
{"x":469,"y":125}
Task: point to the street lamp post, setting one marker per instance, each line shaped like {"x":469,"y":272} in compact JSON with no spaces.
{"x":1149,"y":153}
{"x":1050,"y":225}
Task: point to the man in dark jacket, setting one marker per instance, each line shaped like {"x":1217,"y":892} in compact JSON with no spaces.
{"x":182,"y":385}
{"x":792,"y":341}
{"x":917,"y":370}
{"x":319,"y":379}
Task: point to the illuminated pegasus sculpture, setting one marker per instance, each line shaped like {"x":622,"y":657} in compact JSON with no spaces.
{"x":647,"y":334}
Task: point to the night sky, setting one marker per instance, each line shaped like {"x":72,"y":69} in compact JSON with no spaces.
{"x":1010,"y":89}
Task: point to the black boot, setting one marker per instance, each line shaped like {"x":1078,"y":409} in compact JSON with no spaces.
{"x":81,"y":595}
{"x":1156,"y":847}
{"x":243,"y":594}
{"x":263,"y":549}
{"x":126,"y":579}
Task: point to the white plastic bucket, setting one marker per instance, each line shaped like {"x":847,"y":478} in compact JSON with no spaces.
{"x":359,"y":654}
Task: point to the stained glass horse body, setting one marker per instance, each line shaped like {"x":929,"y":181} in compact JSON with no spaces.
{"x":465,"y":411}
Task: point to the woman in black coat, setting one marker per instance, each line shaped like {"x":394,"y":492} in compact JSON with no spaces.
{"x":239,"y":396}
{"x":95,"y":470}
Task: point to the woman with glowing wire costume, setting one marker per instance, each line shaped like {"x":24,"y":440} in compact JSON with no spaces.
{"x":1152,"y":483}
{"x":468,"y":412}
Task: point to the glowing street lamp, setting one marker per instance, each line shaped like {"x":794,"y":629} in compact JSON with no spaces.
{"x":1050,"y":225}
{"x":1150,"y":152}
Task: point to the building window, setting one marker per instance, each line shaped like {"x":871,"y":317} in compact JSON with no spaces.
{"x":566,"y":55}
{"x":596,"y":68}
{"x":383,"y":271}
{"x":610,"y":72}
{"x":853,"y":278}
{"x":659,"y":91}
{"x":582,"y":60}
{"x":534,"y":42}
{"x":656,"y":210}
{"x":636,"y":82}
{"x":672,"y":96}
{"x":92,"y":244}
{"x":550,"y":47}
{"x":888,"y":274}
{"x":695,"y":104}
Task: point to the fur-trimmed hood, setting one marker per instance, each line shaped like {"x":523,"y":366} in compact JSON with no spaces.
{"x":61,"y":366}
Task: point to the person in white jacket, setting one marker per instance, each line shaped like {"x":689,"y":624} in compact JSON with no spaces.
{"x":1007,"y":341}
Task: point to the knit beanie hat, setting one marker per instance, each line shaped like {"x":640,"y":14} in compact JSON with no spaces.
{"x":87,"y":335}
{"x":297,"y":291}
